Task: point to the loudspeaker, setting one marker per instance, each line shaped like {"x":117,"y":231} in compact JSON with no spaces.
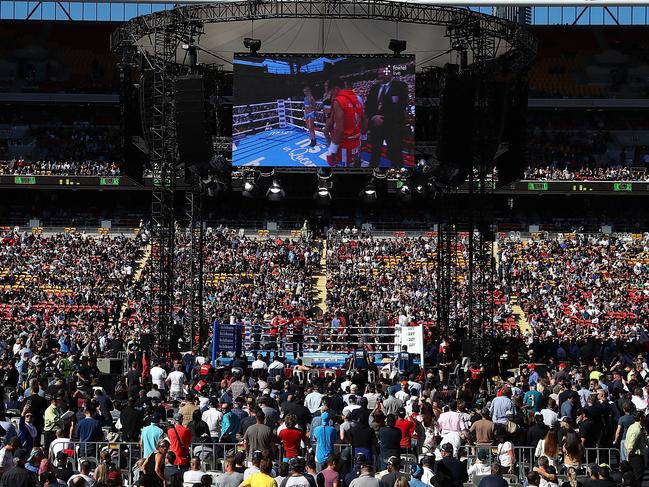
{"x":194,"y":143}
{"x":511,"y":165}
{"x":455,"y":126}
{"x":110,"y":365}
{"x":134,"y":149}
{"x":146,"y":340}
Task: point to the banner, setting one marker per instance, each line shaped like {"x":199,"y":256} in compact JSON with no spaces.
{"x":226,"y":338}
{"x":413,"y":338}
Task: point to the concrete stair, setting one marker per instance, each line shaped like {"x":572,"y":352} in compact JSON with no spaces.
{"x":320,"y":277}
{"x":140,"y":264}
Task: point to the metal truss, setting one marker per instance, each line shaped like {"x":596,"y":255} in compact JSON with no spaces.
{"x":516,"y":39}
{"x":194,"y":318}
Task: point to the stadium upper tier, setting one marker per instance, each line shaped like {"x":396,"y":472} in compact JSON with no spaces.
{"x":575,"y":284}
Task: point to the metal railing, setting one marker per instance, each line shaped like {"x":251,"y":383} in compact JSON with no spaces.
{"x":526,"y":460}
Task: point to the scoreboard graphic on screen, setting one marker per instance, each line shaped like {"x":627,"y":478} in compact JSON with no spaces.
{"x":323,"y":111}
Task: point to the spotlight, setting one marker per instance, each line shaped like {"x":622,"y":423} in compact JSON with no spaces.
{"x":368,"y":193}
{"x":323,"y":193}
{"x":275,"y":191}
{"x":405,"y":188}
{"x":249,"y":188}
{"x":324,"y":173}
{"x":397,"y":46}
{"x":254,"y":45}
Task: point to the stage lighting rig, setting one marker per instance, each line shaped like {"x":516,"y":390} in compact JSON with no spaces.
{"x":254,"y":45}
{"x":275,"y":191}
{"x":397,"y":46}
{"x":368,"y":194}
{"x":323,"y":193}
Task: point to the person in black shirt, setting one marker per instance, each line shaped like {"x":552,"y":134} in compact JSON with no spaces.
{"x":537,"y":431}
{"x":18,"y":476}
{"x":451,"y":467}
{"x":132,"y":420}
{"x":389,"y":440}
{"x":361,"y":436}
{"x":394,"y":467}
{"x":293,"y":405}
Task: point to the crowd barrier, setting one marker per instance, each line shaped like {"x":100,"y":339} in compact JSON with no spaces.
{"x":526,"y":460}
{"x":127,"y":454}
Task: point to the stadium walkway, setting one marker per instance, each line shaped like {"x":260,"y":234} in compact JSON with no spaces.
{"x":320,"y":277}
{"x":517,"y":311}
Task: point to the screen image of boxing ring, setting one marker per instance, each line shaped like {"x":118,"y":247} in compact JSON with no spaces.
{"x":323,"y":110}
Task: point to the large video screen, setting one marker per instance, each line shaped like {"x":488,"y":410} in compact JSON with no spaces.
{"x":323,"y":111}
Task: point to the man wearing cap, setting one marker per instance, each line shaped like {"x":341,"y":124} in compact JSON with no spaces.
{"x":18,"y":476}
{"x":480,"y":467}
{"x":180,"y":440}
{"x":359,"y":462}
{"x":366,"y":478}
{"x":151,"y":434}
{"x":415,"y":476}
{"x":393,"y":472}
{"x":450,"y":467}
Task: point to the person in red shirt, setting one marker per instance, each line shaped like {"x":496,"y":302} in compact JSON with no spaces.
{"x":298,"y":324}
{"x":180,"y":440}
{"x":407,"y":428}
{"x":291,"y":438}
{"x":346,"y":128}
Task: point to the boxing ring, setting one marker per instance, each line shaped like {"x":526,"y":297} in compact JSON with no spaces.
{"x":278,"y":131}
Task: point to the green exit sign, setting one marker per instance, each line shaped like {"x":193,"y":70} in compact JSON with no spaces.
{"x":537,"y":186}
{"x":109,"y":181}
{"x":24,"y":180}
{"x":622,"y":186}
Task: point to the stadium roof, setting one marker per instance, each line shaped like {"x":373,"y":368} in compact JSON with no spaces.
{"x":545,"y":12}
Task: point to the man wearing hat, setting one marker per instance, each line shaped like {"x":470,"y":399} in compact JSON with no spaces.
{"x":480,"y":467}
{"x":451,"y":468}
{"x":18,"y":476}
{"x":366,"y":478}
{"x":393,"y":472}
{"x":416,"y":471}
{"x":359,"y":462}
{"x":180,"y":439}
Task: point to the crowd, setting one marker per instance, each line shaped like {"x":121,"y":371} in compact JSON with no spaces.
{"x":59,"y":168}
{"x":585,"y":173}
{"x":565,"y":406}
{"x":581,"y":285}
{"x":79,"y":149}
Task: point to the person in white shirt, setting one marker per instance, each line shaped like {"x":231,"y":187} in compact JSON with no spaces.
{"x":313,"y":401}
{"x":213,"y":417}
{"x":85,"y":474}
{"x":480,"y":467}
{"x":276,"y":366}
{"x":258,"y":363}
{"x":176,"y":382}
{"x":194,"y":474}
{"x":158,"y":377}
{"x":7,"y":454}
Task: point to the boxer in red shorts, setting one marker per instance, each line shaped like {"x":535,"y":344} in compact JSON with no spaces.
{"x":346,"y":126}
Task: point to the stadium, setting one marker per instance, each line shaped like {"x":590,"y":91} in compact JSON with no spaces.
{"x":324,"y":244}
